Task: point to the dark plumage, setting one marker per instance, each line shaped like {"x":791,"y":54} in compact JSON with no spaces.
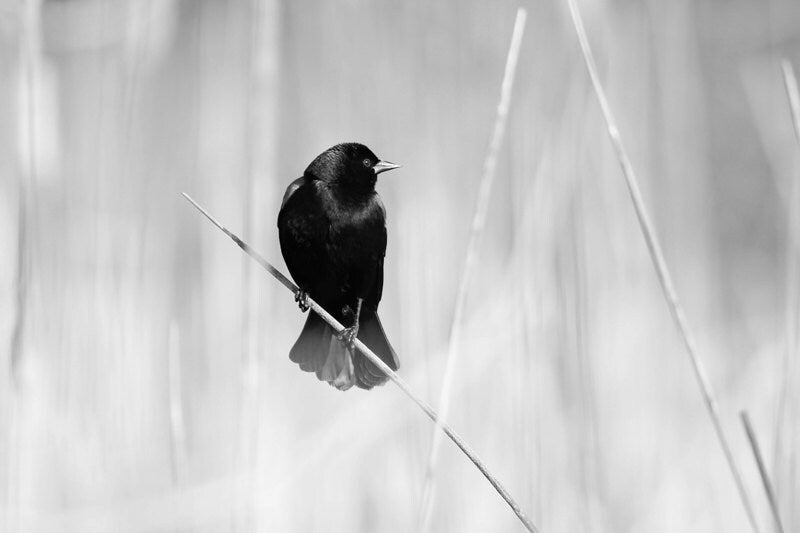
{"x":332,"y":229}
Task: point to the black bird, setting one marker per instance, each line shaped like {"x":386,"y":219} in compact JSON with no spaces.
{"x":332,"y":229}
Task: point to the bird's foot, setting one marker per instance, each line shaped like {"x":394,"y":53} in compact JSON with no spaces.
{"x":301,"y":297}
{"x":348,"y":336}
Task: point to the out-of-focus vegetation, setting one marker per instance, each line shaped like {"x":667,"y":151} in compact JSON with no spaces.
{"x":149,"y":388}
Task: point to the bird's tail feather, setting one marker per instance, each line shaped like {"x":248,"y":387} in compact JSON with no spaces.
{"x":337,"y":369}
{"x":371,"y":333}
{"x":319,"y":350}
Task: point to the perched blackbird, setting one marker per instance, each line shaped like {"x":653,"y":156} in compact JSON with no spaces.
{"x":332,"y":229}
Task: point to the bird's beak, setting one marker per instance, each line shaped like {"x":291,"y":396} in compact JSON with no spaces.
{"x":383,"y":166}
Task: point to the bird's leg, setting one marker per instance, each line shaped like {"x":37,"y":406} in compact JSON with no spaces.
{"x":348,"y":335}
{"x":301,"y":297}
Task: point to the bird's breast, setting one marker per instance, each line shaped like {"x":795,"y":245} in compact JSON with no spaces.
{"x":357,"y":232}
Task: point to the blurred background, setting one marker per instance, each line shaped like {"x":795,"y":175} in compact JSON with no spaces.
{"x":144,"y":375}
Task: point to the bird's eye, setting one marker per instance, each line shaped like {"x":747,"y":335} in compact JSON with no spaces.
{"x":367,"y":163}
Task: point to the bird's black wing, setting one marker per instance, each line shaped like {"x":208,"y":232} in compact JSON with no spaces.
{"x":376,"y":289}
{"x":371,"y":331}
{"x":302,"y":230}
{"x":374,"y":278}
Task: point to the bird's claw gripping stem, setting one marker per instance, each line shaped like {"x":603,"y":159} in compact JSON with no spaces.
{"x":348,"y":336}
{"x":301,"y":297}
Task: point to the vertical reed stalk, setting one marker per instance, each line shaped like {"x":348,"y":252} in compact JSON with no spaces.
{"x":657,"y":257}
{"x":470,"y":264}
{"x":360,"y":346}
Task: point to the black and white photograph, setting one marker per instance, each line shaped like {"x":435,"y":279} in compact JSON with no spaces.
{"x":399,"y":266}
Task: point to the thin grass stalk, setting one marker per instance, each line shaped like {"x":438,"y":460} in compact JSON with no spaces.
{"x":133,"y":78}
{"x":248,"y":363}
{"x":133,"y":75}
{"x":258,"y":91}
{"x":361,"y":347}
{"x":21,"y":281}
{"x":28,"y":57}
{"x":792,"y":304}
{"x":790,"y":83}
{"x":176,"y":420}
{"x":657,"y":257}
{"x":589,"y":432}
{"x":762,"y":470}
{"x":470,"y":263}
{"x":28,"y":60}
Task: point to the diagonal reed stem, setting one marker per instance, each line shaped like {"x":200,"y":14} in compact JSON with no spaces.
{"x":751,"y":436}
{"x":657,"y":256}
{"x":470,"y":264}
{"x":427,"y":409}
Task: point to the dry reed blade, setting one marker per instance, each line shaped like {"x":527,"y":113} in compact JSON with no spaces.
{"x":427,"y":409}
{"x":471,"y":261}
{"x":751,"y":437}
{"x":657,"y":256}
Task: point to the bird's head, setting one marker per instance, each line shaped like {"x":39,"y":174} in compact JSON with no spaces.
{"x":351,"y":166}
